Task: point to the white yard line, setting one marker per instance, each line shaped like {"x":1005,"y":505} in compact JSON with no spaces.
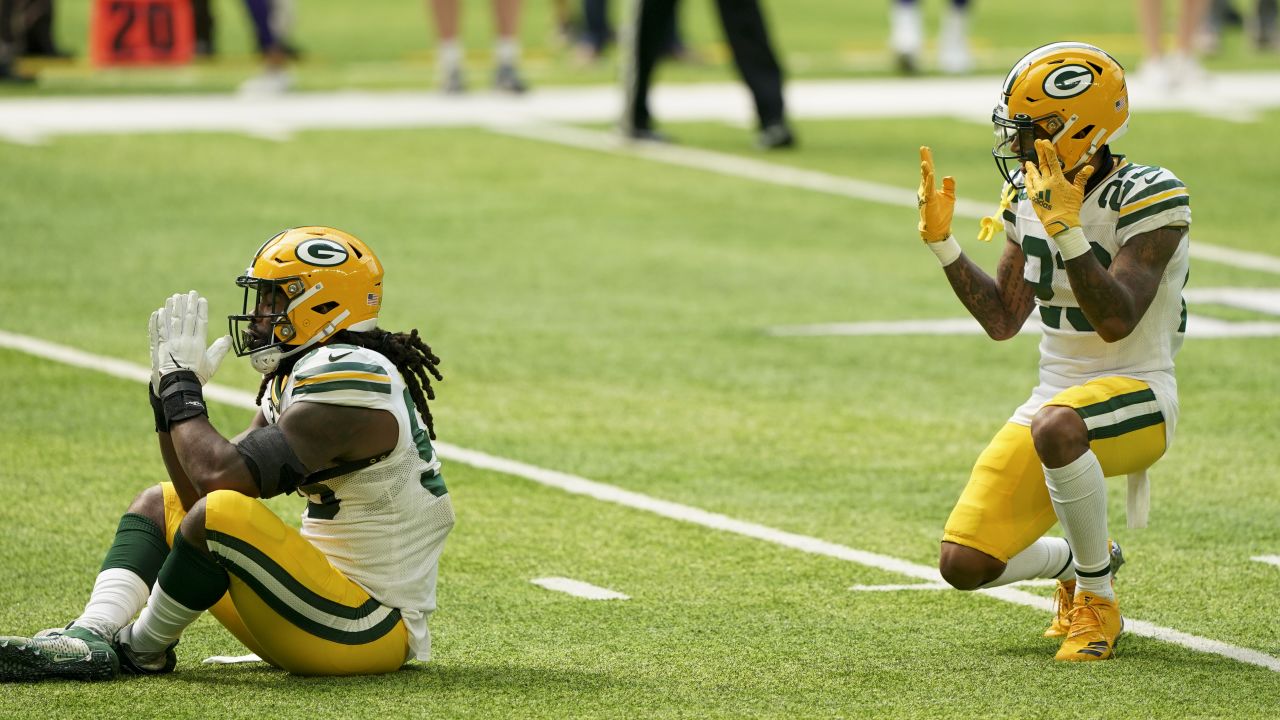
{"x":1262,"y":300}
{"x":577,"y":588}
{"x":1197,"y":327}
{"x":817,"y":181}
{"x":675,"y":511}
{"x":899,"y":588}
{"x":941,"y":586}
{"x":1268,"y":559}
{"x":969,"y":99}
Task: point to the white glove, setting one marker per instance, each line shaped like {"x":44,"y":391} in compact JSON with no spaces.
{"x":153,"y":335}
{"x":181,"y":327}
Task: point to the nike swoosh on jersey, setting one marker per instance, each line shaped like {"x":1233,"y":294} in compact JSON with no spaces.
{"x":338,"y":356}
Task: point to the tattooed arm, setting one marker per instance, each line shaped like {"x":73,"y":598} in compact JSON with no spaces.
{"x":1115,"y":300}
{"x":1001,"y":304}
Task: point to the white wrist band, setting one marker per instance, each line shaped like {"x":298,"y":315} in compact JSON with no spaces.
{"x":947,"y":250}
{"x":1071,"y":243}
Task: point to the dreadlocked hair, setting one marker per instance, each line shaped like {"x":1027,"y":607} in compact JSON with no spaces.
{"x":411,"y":356}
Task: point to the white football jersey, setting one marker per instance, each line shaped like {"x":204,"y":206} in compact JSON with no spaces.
{"x":1134,"y":199}
{"x":384,"y":525}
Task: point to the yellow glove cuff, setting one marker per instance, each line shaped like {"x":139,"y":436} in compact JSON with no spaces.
{"x":1071,"y":243}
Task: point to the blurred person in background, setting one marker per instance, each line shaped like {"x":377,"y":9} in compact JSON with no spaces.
{"x":39,"y":41}
{"x":748,"y":36}
{"x":1260,"y":27}
{"x":906,"y":37}
{"x":506,"y":50}
{"x":11,"y":35}
{"x":204,"y":23}
{"x":271,"y":18}
{"x":1177,"y":69}
{"x":597,"y":34}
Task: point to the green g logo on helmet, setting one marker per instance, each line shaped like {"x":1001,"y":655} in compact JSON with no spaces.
{"x":1068,"y":81}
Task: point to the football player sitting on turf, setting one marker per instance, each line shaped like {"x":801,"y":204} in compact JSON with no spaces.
{"x":342,"y":420}
{"x":1099,"y":244}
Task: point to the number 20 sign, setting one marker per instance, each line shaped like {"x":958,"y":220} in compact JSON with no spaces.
{"x":141,"y":32}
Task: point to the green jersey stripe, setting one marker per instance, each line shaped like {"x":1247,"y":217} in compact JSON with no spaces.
{"x":1163,"y":205}
{"x":1113,"y":404}
{"x":340,"y":367}
{"x":1155,"y":189}
{"x":1126,"y":426}
{"x":1008,"y":215}
{"x":336,"y":385}
{"x":1051,"y":316}
{"x":434,"y":483}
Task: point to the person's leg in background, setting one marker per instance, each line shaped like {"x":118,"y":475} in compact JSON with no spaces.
{"x":954,"y":56}
{"x":448,"y":46}
{"x":748,"y":36}
{"x":39,"y":35}
{"x":282,"y":20}
{"x":645,"y":45}
{"x":1152,"y":71}
{"x":595,"y":31}
{"x":10,"y":43}
{"x":275,"y":77}
{"x":906,"y":35}
{"x":506,"y":50}
{"x":1264,"y":31}
{"x":205,"y":26}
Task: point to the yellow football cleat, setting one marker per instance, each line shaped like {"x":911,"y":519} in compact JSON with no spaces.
{"x":1062,"y":597}
{"x":1095,"y":628}
{"x":1062,"y":602}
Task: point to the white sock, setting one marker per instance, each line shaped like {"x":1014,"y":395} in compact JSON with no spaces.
{"x":953,"y":42}
{"x":507,"y":51}
{"x":161,"y":622}
{"x":906,"y":29}
{"x":1079,"y":494}
{"x":449,"y":55}
{"x":1048,"y":557}
{"x":117,"y":596}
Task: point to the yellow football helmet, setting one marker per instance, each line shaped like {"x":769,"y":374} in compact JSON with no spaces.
{"x":1071,"y":93}
{"x":304,"y":285}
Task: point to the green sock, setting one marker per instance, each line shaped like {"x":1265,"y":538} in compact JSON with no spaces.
{"x":191,"y":577}
{"x":139,"y":546}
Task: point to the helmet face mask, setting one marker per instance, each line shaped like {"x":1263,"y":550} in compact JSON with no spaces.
{"x":264,"y":320}
{"x":1070,"y":93}
{"x":1015,"y":141}
{"x":304,"y":285}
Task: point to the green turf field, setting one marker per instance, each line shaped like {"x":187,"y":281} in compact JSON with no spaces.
{"x":607,"y":316}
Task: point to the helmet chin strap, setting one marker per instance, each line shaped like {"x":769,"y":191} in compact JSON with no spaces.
{"x":267,"y":360}
{"x":1094,"y":143}
{"x":1088,"y":154}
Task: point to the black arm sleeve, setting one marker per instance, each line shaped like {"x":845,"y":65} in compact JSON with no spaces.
{"x":275,"y":468}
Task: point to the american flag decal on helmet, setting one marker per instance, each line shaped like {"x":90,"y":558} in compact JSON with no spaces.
{"x":372,"y":299}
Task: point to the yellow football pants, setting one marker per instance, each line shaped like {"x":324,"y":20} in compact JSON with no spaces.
{"x":286,"y":602}
{"x":1005,"y":506}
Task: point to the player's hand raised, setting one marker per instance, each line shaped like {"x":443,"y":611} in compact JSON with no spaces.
{"x":936,"y":207}
{"x":182,"y":325}
{"x":1056,"y":201}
